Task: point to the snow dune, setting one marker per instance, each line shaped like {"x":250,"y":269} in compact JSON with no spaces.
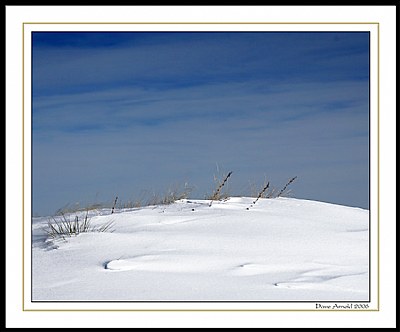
{"x":281,"y":249}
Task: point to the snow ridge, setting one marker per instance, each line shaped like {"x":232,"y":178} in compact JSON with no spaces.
{"x":282,"y":249}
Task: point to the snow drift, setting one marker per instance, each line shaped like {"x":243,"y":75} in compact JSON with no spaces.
{"x":280,"y":249}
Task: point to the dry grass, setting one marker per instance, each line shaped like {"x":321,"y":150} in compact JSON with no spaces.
{"x":217,"y":194}
{"x":260,"y":194}
{"x":74,"y":208}
{"x":272,"y":192}
{"x":67,"y":226}
{"x":170,"y":196}
{"x":284,"y":191}
{"x":115,"y":203}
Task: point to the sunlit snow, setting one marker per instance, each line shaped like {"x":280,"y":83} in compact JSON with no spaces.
{"x":280,"y":249}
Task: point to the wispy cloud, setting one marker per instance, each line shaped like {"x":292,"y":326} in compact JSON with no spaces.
{"x":131,"y":106}
{"x":156,"y":109}
{"x":203,"y":58}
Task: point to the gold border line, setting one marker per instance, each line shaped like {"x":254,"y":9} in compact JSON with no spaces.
{"x":378,"y":179}
{"x":193,"y":310}
{"x":23,"y":168}
{"x":202,"y":23}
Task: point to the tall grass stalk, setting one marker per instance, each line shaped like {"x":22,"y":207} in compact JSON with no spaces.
{"x":115,"y":203}
{"x":283,"y":191}
{"x":259,"y":195}
{"x":217,"y":194}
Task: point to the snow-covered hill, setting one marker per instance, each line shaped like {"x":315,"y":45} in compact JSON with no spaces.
{"x":280,"y":249}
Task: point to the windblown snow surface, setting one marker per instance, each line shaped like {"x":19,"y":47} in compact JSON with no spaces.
{"x":281,"y":249}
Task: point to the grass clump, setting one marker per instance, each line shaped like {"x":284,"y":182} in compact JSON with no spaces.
{"x":284,"y":191}
{"x":268,"y":192}
{"x":173,"y":195}
{"x":170,"y":196}
{"x":66,"y":226}
{"x":78,"y":208}
{"x":217,"y":194}
{"x":260,"y":194}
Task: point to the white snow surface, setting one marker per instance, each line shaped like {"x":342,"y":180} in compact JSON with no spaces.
{"x":281,"y":249}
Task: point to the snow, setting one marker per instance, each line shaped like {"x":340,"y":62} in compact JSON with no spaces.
{"x":280,"y":249}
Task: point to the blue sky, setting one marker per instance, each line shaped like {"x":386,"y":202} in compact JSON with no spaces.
{"x":130,"y":113}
